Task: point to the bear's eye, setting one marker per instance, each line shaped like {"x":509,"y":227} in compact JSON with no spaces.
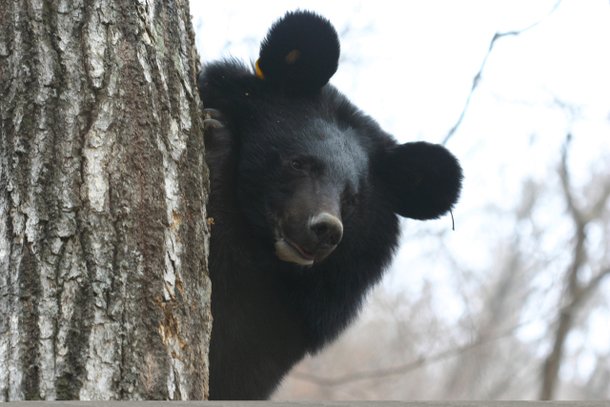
{"x":301,"y":165}
{"x":297,"y":165}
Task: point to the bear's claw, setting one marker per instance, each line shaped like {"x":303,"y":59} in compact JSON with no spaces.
{"x":212,"y":119}
{"x":212,"y":124}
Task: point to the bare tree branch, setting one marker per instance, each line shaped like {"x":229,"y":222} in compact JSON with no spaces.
{"x":384,"y":372}
{"x":599,"y":206}
{"x":578,"y":219}
{"x":403,"y":368}
{"x":577,"y":292}
{"x":477,"y":78}
{"x":592,"y":285}
{"x":581,"y":217}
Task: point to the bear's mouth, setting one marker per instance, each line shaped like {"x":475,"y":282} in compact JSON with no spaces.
{"x":289,"y":251}
{"x":307,"y":243}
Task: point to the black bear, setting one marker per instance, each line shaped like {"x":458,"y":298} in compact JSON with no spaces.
{"x":305,"y":193}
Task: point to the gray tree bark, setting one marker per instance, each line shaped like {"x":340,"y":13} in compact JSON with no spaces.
{"x":104,"y":292}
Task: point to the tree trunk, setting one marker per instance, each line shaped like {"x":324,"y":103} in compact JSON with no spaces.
{"x":104,"y":292}
{"x":552,"y":363}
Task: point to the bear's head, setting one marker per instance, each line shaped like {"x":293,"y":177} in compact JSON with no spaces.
{"x":309,"y":166}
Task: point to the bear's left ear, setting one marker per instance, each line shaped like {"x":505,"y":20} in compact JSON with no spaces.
{"x":300,"y":53}
{"x":422,"y":180}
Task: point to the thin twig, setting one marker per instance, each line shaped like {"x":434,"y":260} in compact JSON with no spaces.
{"x":477,"y":78}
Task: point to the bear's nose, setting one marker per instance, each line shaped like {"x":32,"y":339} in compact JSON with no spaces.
{"x":327,"y":228}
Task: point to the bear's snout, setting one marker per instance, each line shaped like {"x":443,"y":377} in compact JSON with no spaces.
{"x":308,"y":242}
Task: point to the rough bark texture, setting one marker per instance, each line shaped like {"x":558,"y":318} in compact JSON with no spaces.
{"x":104,"y":291}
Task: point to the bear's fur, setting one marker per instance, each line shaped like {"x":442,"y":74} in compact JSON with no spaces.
{"x":305,"y":193}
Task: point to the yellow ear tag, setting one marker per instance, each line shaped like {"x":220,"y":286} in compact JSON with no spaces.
{"x":259,"y":72}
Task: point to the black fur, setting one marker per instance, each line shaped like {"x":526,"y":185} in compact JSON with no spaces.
{"x":421,"y":179}
{"x":280,"y":157}
{"x":300,"y":52}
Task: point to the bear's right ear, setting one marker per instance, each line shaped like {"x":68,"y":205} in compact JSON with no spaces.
{"x":300,"y":53}
{"x":422,"y":180}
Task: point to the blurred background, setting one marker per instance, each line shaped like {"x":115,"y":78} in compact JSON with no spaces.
{"x":515,"y":303}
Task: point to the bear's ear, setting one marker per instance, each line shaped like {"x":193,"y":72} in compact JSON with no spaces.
{"x":422,"y":180}
{"x":300,"y":53}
